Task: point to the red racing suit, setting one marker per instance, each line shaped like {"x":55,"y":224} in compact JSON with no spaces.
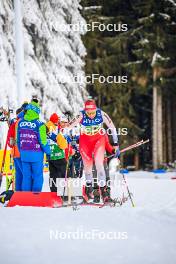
{"x":93,"y":142}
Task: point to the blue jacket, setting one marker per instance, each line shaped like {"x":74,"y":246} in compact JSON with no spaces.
{"x":31,"y":137}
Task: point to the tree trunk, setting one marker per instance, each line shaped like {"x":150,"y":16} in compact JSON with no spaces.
{"x":136,"y":160}
{"x":157,"y":123}
{"x":165,"y":135}
{"x":160,"y":126}
{"x":173,"y":122}
{"x":169,"y":130}
{"x":155,"y":141}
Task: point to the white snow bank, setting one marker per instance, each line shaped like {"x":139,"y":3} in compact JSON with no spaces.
{"x":27,"y":234}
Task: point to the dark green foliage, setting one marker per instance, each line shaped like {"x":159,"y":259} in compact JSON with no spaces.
{"x":149,"y":43}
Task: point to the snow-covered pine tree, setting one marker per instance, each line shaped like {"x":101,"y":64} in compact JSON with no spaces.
{"x":53,"y":55}
{"x":155,"y":34}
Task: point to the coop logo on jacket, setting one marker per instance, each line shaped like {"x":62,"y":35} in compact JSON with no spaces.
{"x":28,"y":124}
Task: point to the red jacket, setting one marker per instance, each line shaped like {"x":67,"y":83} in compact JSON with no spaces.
{"x":11,"y":139}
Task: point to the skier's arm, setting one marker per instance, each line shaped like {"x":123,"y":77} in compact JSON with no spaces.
{"x":11,"y":135}
{"x":43,"y":139}
{"x":75,"y":121}
{"x":58,"y":138}
{"x":107,"y":120}
{"x":109,"y":148}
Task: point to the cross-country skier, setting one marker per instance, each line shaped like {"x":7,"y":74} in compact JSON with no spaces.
{"x":75,"y":159}
{"x":92,"y":144}
{"x":12,"y":143}
{"x":32,"y":143}
{"x":58,"y":144}
{"x":76,"y":164}
{"x":69,"y":151}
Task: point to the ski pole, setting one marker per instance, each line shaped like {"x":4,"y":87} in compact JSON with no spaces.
{"x":136,"y":145}
{"x":133,"y":146}
{"x":6,"y":118}
{"x":133,"y":205}
{"x":3,"y":161}
{"x":66,"y":172}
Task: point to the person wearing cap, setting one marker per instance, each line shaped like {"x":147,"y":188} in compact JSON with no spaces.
{"x":12,"y":143}
{"x":69,"y":151}
{"x":32,"y":144}
{"x":72,"y":153}
{"x":92,"y":146}
{"x":58,"y":144}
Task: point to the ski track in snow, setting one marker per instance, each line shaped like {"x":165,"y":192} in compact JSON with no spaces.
{"x":150,"y":226}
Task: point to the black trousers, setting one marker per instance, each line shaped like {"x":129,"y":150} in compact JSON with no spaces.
{"x":57,"y":169}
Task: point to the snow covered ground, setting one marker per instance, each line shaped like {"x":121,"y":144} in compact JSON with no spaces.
{"x":144,"y":234}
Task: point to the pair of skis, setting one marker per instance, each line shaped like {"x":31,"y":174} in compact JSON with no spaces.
{"x":114,"y":202}
{"x":117,"y":202}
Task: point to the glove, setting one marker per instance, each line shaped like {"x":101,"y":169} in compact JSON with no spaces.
{"x":6,"y":196}
{"x":116,"y":152}
{"x":77,"y":156}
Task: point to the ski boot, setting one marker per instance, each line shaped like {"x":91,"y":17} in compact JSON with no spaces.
{"x":105,"y":193}
{"x":96,"y":195}
{"x":6,"y":196}
{"x":88,"y":193}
